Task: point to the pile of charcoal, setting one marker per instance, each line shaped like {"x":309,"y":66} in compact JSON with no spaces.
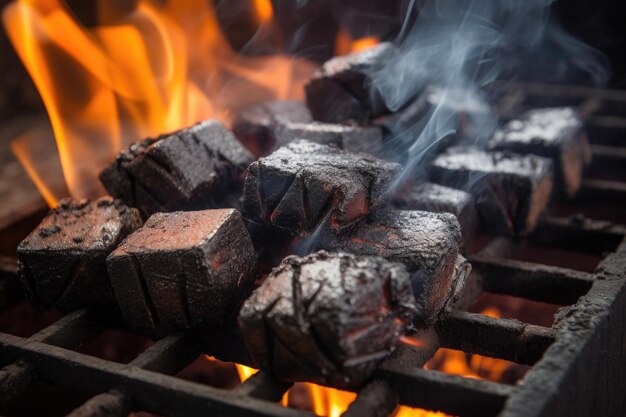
{"x":355,"y":262}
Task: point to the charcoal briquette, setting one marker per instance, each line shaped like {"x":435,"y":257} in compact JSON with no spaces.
{"x":192,"y":169}
{"x":340,"y":91}
{"x":555,"y":133}
{"x":426,"y":196}
{"x":256,"y":126}
{"x":63,"y":261}
{"x":426,"y":243}
{"x":183,"y":269}
{"x":510,"y":190}
{"x":304,"y":185}
{"x":349,"y":138}
{"x":327,"y":318}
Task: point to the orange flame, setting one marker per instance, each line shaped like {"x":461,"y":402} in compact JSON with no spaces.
{"x":345,"y":44}
{"x":31,"y":150}
{"x":473,"y":366}
{"x":332,"y":402}
{"x":263,"y":10}
{"x":160,"y":67}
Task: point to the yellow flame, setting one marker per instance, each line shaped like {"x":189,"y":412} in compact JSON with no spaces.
{"x":470,"y":366}
{"x":160,"y":67}
{"x":245,"y":372}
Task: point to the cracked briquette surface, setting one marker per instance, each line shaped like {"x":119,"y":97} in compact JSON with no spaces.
{"x":305,"y":184}
{"x":183,"y":269}
{"x":329,"y":318}
{"x":194,"y":168}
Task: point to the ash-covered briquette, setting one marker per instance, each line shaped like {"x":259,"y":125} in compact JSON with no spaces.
{"x":63,"y":261}
{"x":256,"y":126}
{"x":195,"y":168}
{"x":305,"y":184}
{"x":265,"y":127}
{"x":436,"y":198}
{"x":426,"y":243}
{"x":510,"y":190}
{"x":555,"y":133}
{"x":327,"y":318}
{"x":462,"y":115}
{"x":183,"y":269}
{"x":349,"y":138}
{"x":459,"y":105}
{"x":339,"y":91}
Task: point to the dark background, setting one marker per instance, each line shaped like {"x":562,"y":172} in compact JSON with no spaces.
{"x":309,"y":29}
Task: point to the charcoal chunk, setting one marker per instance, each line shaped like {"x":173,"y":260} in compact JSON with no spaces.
{"x":555,"y":133}
{"x":63,"y":261}
{"x":340,"y":90}
{"x":256,"y":126}
{"x":183,"y":269}
{"x":327,"y":318}
{"x":510,"y":190}
{"x":426,"y":243}
{"x":427,"y":196}
{"x":460,"y":106}
{"x":304,"y":185}
{"x":349,"y":138}
{"x":195,"y":168}
{"x":461,"y":114}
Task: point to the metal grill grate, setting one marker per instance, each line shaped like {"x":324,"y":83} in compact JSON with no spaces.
{"x":578,"y":364}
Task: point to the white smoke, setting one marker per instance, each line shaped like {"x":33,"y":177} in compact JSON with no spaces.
{"x":461,"y":46}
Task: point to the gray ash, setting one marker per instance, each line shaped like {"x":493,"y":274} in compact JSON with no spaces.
{"x":511,"y":190}
{"x":555,"y":133}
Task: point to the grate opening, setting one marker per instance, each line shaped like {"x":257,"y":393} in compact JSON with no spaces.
{"x":24,"y":320}
{"x":116,"y":345}
{"x":563,"y":258}
{"x":468,"y":365}
{"x":212,"y":372}
{"x":52,"y":401}
{"x":522,"y":309}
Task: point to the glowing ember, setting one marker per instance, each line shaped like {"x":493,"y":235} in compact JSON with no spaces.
{"x":162,"y":66}
{"x":471,"y":366}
